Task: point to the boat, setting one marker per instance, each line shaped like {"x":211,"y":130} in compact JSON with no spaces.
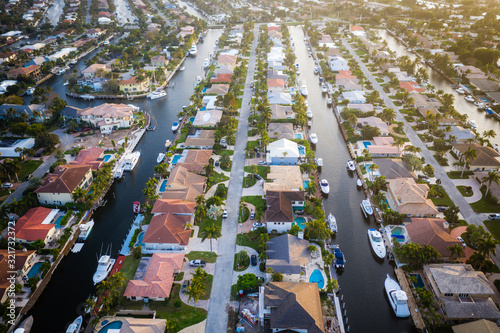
{"x":75,"y":326}
{"x":314,"y":138}
{"x":332,"y":223}
{"x":182,"y":68}
{"x":329,"y":101}
{"x":460,"y":91}
{"x":206,"y":63}
{"x":30,"y":91}
{"x":87,"y":97}
{"x":168,"y":143}
{"x":106,"y":42}
{"x":422,"y":61}
{"x":489,"y":111}
{"x":175,"y":126}
{"x":472,"y":123}
{"x":160,"y":158}
{"x":309,"y":123}
{"x":66,"y":83}
{"x":131,"y":161}
{"x":409,"y":50}
{"x":151,"y":128}
{"x":193,"y":50}
{"x":303,"y":90}
{"x":25,"y":326}
{"x":324,"y":89}
{"x":85,"y":230}
{"x":325,"y":187}
{"x":469,"y":98}
{"x":316,"y":70}
{"x":136,"y":207}
{"x":61,"y":71}
{"x":377,"y":243}
{"x":359,"y":182}
{"x":367,"y":207}
{"x":351,"y":165}
{"x":481,"y":105}
{"x":339,"y":257}
{"x":397,"y":297}
{"x":73,"y":62}
{"x":198,"y":80}
{"x":309,"y":113}
{"x":104,"y":266}
{"x":157,"y":94}
{"x":319,"y":162}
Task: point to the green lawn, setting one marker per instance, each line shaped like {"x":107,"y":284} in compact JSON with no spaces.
{"x":493,"y":228}
{"x":28,"y":167}
{"x":462,"y":190}
{"x":128,"y":269}
{"x":249,"y":181}
{"x":245,"y":264}
{"x":246,"y":240}
{"x":259,"y":203}
{"x":228,"y":169}
{"x":217,"y":178}
{"x":206,"y":222}
{"x":179,"y":276}
{"x":486,"y":205}
{"x":206,"y":256}
{"x":443,"y":161}
{"x":442,"y":199}
{"x":456,"y":174}
{"x":208,"y":287}
{"x":226,"y":152}
{"x":262,"y":170}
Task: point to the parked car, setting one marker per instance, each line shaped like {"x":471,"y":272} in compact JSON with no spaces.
{"x":252,"y":215}
{"x":216,"y":163}
{"x":423,"y":177}
{"x":258,"y":225}
{"x":256,"y":149}
{"x":262,"y":163}
{"x":258,"y":176}
{"x":7,"y":185}
{"x":253,"y":260}
{"x":197,"y":263}
{"x":461,"y":240}
{"x":441,"y":208}
{"x":224,"y":215}
{"x":494,"y":216}
{"x":28,"y":177}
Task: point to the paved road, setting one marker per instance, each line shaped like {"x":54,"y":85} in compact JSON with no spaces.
{"x":221,"y":288}
{"x":54,"y":12}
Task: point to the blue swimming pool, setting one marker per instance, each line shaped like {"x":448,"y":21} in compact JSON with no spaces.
{"x":34,"y":270}
{"x":317,"y":277}
{"x":176,"y":158}
{"x":192,"y":119}
{"x":106,"y":158}
{"x":301,"y":222}
{"x":58,"y":222}
{"x":298,"y":136}
{"x":140,"y":237}
{"x":484,"y":99}
{"x":419,"y":283}
{"x":112,"y":325}
{"x":397,"y":231}
{"x":302,"y":150}
{"x":163,"y":186}
{"x":305,"y":184}
{"x":367,"y":143}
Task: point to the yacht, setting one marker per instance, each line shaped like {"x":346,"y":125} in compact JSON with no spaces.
{"x":397,"y":297}
{"x":206,"y":63}
{"x":469,"y":98}
{"x":157,"y":94}
{"x":351,"y":165}
{"x":61,"y":71}
{"x":175,"y":126}
{"x":460,"y":91}
{"x":472,"y":123}
{"x":377,"y":243}
{"x":359,"y":182}
{"x":131,"y":161}
{"x":319,"y":162}
{"x":160,"y":158}
{"x":303,"y":90}
{"x":106,"y":42}
{"x":332,"y":223}
{"x":182,"y":68}
{"x":151,"y":128}
{"x":314,"y":138}
{"x":168,"y":143}
{"x":66,"y":83}
{"x":339,"y":257}
{"x":367,"y":207}
{"x":25,"y":326}
{"x":85,"y":230}
{"x":309,"y":114}
{"x":104,"y":266}
{"x":193,"y":50}
{"x":324,"y":89}
{"x":325,"y":187}
{"x":75,"y":326}
{"x":73,"y":62}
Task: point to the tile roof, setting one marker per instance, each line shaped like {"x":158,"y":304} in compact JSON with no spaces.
{"x":218,"y":89}
{"x":393,"y":168}
{"x":223,"y":77}
{"x":168,"y":228}
{"x":175,"y":206}
{"x":182,"y":184}
{"x":281,"y":131}
{"x":206,"y":138}
{"x":109,"y":110}
{"x":284,"y":178}
{"x":287,"y":253}
{"x":486,"y":156}
{"x":196,"y":160}
{"x":410,"y":197}
{"x":478,"y":326}
{"x":30,"y":228}
{"x":279,"y":205}
{"x":430,"y":231}
{"x":89,"y":156}
{"x":65,"y":179}
{"x":5,"y":268}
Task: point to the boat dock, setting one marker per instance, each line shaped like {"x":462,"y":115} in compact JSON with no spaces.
{"x":412,"y":304}
{"x":335,"y":299}
{"x":125,"y":251}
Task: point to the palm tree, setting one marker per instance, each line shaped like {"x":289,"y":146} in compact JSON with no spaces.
{"x":487,"y":245}
{"x":211,"y":232}
{"x":388,"y":115}
{"x":366,"y":155}
{"x":79,"y":195}
{"x":200,"y":200}
{"x":209,"y":169}
{"x":317,"y":229}
{"x":170,"y":326}
{"x":373,"y":167}
{"x":194,"y":292}
{"x":477,"y":260}
{"x":200,"y":211}
{"x":456,"y":250}
{"x":254,"y":170}
{"x":490,"y":178}
{"x":469,"y":155}
{"x":489,"y":134}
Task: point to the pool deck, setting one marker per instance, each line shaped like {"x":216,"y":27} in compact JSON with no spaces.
{"x":412,"y":304}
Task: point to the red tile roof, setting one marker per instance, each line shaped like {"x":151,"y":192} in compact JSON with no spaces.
{"x":225,"y":78}
{"x":411,"y":86}
{"x":65,"y":179}
{"x":168,"y":229}
{"x":174,"y":206}
{"x":30,"y":228}
{"x":89,"y":157}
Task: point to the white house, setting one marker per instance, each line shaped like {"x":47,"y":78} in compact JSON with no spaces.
{"x":281,"y":208}
{"x":282,"y":152}
{"x":108,"y":116}
{"x":354,"y":97}
{"x":337,"y":63}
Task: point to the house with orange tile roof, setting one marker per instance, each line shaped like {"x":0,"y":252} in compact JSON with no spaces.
{"x":133,"y":86}
{"x":222,"y":78}
{"x":58,"y":187}
{"x":410,"y":86}
{"x":22,"y":265}
{"x":409,"y":198}
{"x":108,"y":116}
{"x":32,"y":71}
{"x":195,"y":160}
{"x":90,"y":156}
{"x":36,"y":224}
{"x":384,"y":147}
{"x":276,"y":85}
{"x":184,"y":185}
{"x":345,"y":74}
{"x":93,"y":69}
{"x":174,"y":206}
{"x":167,"y":233}
{"x":156,"y":283}
{"x":227,"y":60}
{"x":357,"y":30}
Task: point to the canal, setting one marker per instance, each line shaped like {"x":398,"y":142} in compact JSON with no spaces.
{"x":362,"y":282}
{"x":484,"y":123}
{"x":71,"y":284}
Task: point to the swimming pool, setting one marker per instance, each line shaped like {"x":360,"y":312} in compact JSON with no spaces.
{"x":192,"y":119}
{"x":397,"y":231}
{"x":58,"y":222}
{"x":106,"y":158}
{"x":305,"y":184}
{"x":112,"y":325}
{"x":302,"y":150}
{"x":34,"y":270}
{"x":298,"y":136}
{"x":301,"y":222}
{"x":419,"y":283}
{"x":317,"y":277}
{"x":163,"y":186}
{"x":484,"y":99}
{"x":140,"y":237}
{"x":176,"y":158}
{"x":367,"y":143}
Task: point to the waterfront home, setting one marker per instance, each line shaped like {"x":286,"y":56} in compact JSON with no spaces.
{"x":277,"y":65}
{"x":133,"y":325}
{"x":288,"y":255}
{"x":410,"y":86}
{"x":487,"y":158}
{"x":200,"y":139}
{"x":227,"y":60}
{"x":95,"y":33}
{"x":409,"y":198}
{"x":392,"y":168}
{"x":22,"y":265}
{"x":36,"y":224}
{"x":33,"y":111}
{"x":108,"y":117}
{"x":222,"y":78}
{"x":8,"y":149}
{"x":348,"y":84}
{"x":275,"y":74}
{"x":354,"y":97}
{"x":291,"y":306}
{"x":356,"y":30}
{"x":462,"y":292}
{"x":209,"y":101}
{"x":337,"y":63}
{"x":284,"y":178}
{"x":459,"y":134}
{"x":7,"y":56}
{"x":423,"y":101}
{"x":132,"y":85}
{"x":208,"y":118}
{"x":156,"y":282}
{"x":282,"y":152}
{"x":90,"y":156}
{"x":37,"y":61}
{"x":58,"y":187}
{"x":159,"y":61}
{"x":173,"y":206}
{"x":357,"y":107}
{"x":281,"y":131}
{"x":184,"y":185}
{"x":167,"y":233}
{"x":281,"y":98}
{"x":478,"y":326}
{"x":95,"y":70}
{"x":276,"y":86}
{"x":345,"y":74}
{"x":375,"y":122}
{"x":282,"y":112}
{"x":218,"y":89}
{"x":403,"y":76}
{"x":226,"y":69}
{"x":62,"y":53}
{"x":384,"y":147}
{"x":281,"y":208}
{"x":32,"y":71}
{"x":195,"y":160}
{"x":186,"y":31}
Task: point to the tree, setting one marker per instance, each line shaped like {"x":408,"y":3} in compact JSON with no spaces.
{"x":469,"y":155}
{"x":277,"y":276}
{"x":487,"y":245}
{"x":388,"y":115}
{"x":490,"y":178}
{"x":428,"y":170}
{"x":412,"y":162}
{"x":456,"y":250}
{"x":195,"y":291}
{"x":317,"y":229}
{"x":477,"y":260}
{"x":368,"y":132}
{"x":79,"y":195}
{"x":19,"y":129}
{"x":225,"y":160}
{"x":451,"y":214}
{"x":211,"y":232}
{"x":46,"y":140}
{"x":170,"y":326}
{"x":248,"y":281}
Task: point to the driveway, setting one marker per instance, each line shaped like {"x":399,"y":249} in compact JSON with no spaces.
{"x":257,"y":189}
{"x":475,"y":188}
{"x":251,"y":269}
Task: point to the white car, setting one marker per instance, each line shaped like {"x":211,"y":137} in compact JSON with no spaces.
{"x":224,"y":215}
{"x":258,"y":225}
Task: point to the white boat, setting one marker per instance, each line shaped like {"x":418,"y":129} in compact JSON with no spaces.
{"x":106,"y":42}
{"x":198,"y":80}
{"x":104,"y":266}
{"x":303,"y":90}
{"x":314,"y":138}
{"x":168,"y":143}
{"x":73,"y":62}
{"x":332,"y":223}
{"x":157,"y":94}
{"x":351,"y":165}
{"x":367,"y":207}
{"x":30,"y":91}
{"x":309,"y":123}
{"x":472,"y":123}
{"x":75,"y":326}
{"x":309,"y":113}
{"x":182,"y":68}
{"x":319,"y":161}
{"x":469,"y":98}
{"x":324,"y":89}
{"x":175,"y":126}
{"x":316,"y":70}
{"x":85,"y":230}
{"x":206,"y":63}
{"x":325,"y":187}
{"x":25,"y":326}
{"x":359,"y":182}
{"x":460,"y":91}
{"x":160,"y":158}
{"x":193,"y":50}
{"x":61,"y":71}
{"x":377,"y":243}
{"x":131,"y":161}
{"x":87,"y":97}
{"x":481,"y":105}
{"x":329,"y":101}
{"x":397,"y":297}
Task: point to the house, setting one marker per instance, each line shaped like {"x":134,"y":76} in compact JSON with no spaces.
{"x":37,"y":61}
{"x":132,"y":85}
{"x":167,"y":233}
{"x":354,"y":97}
{"x":200,"y":139}
{"x":375,"y":122}
{"x":345,"y":74}
{"x":403,"y":76}
{"x":36,"y":224}
{"x":218,"y":89}
{"x":195,"y":160}
{"x":275,"y":74}
{"x":361,"y":107}
{"x":409,"y":198}
{"x":156,"y":283}
{"x":393,"y":168}
{"x":282,"y":152}
{"x":276,"y":86}
{"x":208,"y":118}
{"x":228,"y":69}
{"x":291,"y":307}
{"x":284,"y":178}
{"x":183,"y":185}
{"x":348,"y":84}
{"x":94,"y":70}
{"x":90,"y":156}
{"x":21,"y":267}
{"x":459,"y":134}
{"x":281,"y":207}
{"x":356,"y":30}
{"x":410,"y":86}
{"x":149,"y":325}
{"x":159,"y":61}
{"x":227,"y":60}
{"x":478,"y":326}
{"x":95,"y":33}
{"x":7,"y":56}
{"x":384,"y":147}
{"x":32,"y":111}
{"x":153,"y":26}
{"x":10,"y":149}
{"x":186,"y":31}
{"x":222,"y":78}
{"x":423,"y":101}
{"x":494,"y":188}
{"x":32,"y":71}
{"x":282,"y":112}
{"x":57,"y":188}
{"x":281,"y":98}
{"x":108,"y":116}
{"x":280,"y":131}
{"x":487,"y":159}
{"x":337,"y":63}
{"x":462,"y":292}
{"x":288,"y":254}
{"x":173,"y":206}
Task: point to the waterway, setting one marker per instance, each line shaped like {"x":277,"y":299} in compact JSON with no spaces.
{"x":362,"y":282}
{"x":484,"y":123}
{"x":71,"y":284}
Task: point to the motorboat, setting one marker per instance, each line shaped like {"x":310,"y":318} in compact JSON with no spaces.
{"x":351,"y":165}
{"x":30,"y":91}
{"x":66,"y":83}
{"x":206,"y":63}
{"x":324,"y":89}
{"x":25,"y":326}
{"x":469,"y":98}
{"x":460,"y":91}
{"x":168,"y":143}
{"x":182,"y":68}
{"x":332,"y":223}
{"x":193,"y":50}
{"x":75,"y":326}
{"x":61,"y":71}
{"x":151,"y":128}
{"x":314,"y":138}
{"x":367,"y":207}
{"x":160,"y":158}
{"x":397,"y":297}
{"x":85,"y":230}
{"x":319,"y":161}
{"x":303,"y":90}
{"x":472,"y":123}
{"x":88,"y":97}
{"x":106,"y":42}
{"x":309,"y":113}
{"x":325,"y":187}
{"x":377,"y":243}
{"x":131,"y":160}
{"x":175,"y":126}
{"x":329,"y":101}
{"x":157,"y":94}
{"x":104,"y":266}
{"x":136,"y":207}
{"x":73,"y":62}
{"x":481,"y":105}
{"x":339,"y":257}
{"x":359,"y":182}
{"x":198,"y":80}
{"x":309,"y":123}
{"x":316,"y":70}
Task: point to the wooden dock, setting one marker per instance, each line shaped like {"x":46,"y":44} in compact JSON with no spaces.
{"x":412,"y":304}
